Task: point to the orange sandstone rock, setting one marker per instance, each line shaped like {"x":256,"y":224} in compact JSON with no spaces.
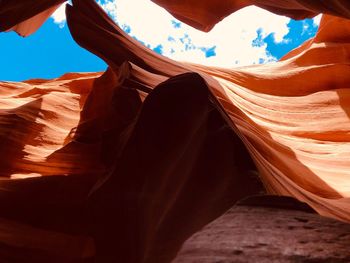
{"x":87,"y":138}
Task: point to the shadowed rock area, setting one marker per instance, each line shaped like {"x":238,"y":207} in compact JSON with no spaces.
{"x":130,"y":166}
{"x":248,"y":233}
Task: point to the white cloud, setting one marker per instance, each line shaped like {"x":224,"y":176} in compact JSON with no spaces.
{"x":232,"y":38}
{"x":306,"y":27}
{"x":317,"y":19}
{"x":237,"y":40}
{"x":59,"y":16}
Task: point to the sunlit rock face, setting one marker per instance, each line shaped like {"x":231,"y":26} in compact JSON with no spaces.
{"x":153,"y":147}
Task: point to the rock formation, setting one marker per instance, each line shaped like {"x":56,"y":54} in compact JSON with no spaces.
{"x":153,"y":146}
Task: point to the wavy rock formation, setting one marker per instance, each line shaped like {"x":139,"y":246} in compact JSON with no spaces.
{"x":292,"y":115}
{"x":205,"y":14}
{"x":26,"y":16}
{"x":153,"y":147}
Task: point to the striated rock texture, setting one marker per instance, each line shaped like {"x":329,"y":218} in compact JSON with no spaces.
{"x":154,"y":147}
{"x":291,"y":115}
{"x":205,"y":14}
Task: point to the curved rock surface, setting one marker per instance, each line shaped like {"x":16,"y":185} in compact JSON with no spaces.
{"x":291,"y":115}
{"x":205,"y":14}
{"x":131,"y":156}
{"x":24,"y":16}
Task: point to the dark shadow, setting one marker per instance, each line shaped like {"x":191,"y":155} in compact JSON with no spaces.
{"x":169,"y":170}
{"x":58,"y":202}
{"x":181,"y":168}
{"x":47,"y":202}
{"x":141,"y":214}
{"x":12,"y":143}
{"x":116,"y":47}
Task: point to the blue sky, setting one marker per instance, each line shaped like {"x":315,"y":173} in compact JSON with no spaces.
{"x":238,"y":40}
